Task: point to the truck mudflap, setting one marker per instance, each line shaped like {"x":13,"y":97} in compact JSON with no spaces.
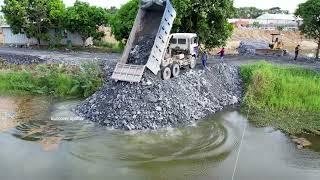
{"x":128,"y":72}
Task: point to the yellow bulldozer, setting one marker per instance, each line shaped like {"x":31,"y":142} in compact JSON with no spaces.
{"x":276,"y":47}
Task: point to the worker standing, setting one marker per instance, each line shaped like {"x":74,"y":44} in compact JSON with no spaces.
{"x":204,"y":58}
{"x":296,"y":51}
{"x":221,"y":54}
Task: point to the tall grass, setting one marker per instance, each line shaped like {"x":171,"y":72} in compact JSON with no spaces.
{"x":289,"y":96}
{"x":56,"y":80}
{"x":112,"y":47}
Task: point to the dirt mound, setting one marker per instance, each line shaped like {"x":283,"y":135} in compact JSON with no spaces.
{"x":19,"y":59}
{"x":249,"y":47}
{"x":154,"y":103}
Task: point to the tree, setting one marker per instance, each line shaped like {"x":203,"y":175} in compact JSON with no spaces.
{"x":253,"y":12}
{"x":112,"y":10}
{"x":33,"y":17}
{"x":310,"y":13}
{"x":247,"y":12}
{"x":122,"y":21}
{"x":277,"y":10}
{"x":256,"y":24}
{"x":280,"y":28}
{"x":207,"y":18}
{"x":86,"y":20}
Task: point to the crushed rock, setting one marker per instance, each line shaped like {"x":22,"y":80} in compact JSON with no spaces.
{"x":155,"y":103}
{"x":17,"y":59}
{"x":141,"y":51}
{"x":249,"y":47}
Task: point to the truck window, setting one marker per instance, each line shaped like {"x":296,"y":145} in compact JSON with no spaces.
{"x":173,"y":41}
{"x":195,"y":40}
{"x":182,"y":41}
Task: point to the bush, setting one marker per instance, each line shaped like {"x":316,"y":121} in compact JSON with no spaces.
{"x":57,"y":80}
{"x":113,"y":47}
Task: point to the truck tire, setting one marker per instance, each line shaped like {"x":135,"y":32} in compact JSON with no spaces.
{"x":175,"y":70}
{"x":166,"y":73}
{"x":193,"y":62}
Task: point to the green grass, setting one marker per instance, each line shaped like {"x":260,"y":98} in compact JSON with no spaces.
{"x":54,"y":79}
{"x":112,"y":47}
{"x":285,"y":97}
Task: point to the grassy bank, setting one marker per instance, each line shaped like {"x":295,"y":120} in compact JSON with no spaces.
{"x":284,"y":97}
{"x":54,"y":79}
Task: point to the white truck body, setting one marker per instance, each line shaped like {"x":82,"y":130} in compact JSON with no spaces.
{"x":155,"y":17}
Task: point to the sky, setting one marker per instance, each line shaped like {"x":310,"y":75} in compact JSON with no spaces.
{"x":290,"y":5}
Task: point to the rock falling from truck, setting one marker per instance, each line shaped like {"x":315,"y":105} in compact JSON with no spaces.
{"x":155,"y":103}
{"x":140,"y":53}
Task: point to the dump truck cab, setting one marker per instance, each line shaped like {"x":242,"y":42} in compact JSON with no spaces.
{"x":187,"y":42}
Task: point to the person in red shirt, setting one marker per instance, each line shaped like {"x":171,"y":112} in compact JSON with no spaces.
{"x":221,"y":54}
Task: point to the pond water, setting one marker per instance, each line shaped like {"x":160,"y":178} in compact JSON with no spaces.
{"x":42,"y":139}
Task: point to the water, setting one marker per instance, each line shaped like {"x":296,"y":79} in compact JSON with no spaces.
{"x":43,"y":139}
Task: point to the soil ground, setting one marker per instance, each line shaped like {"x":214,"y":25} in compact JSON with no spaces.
{"x":112,"y":58}
{"x":291,"y":40}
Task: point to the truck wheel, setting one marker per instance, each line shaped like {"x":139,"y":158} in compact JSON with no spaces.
{"x":193,"y":62}
{"x":175,"y":70}
{"x":166,"y":73}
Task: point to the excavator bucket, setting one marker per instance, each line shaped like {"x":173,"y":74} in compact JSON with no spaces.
{"x":154,"y":19}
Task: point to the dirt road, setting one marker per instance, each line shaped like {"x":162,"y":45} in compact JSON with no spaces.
{"x":286,"y":60}
{"x":22,"y":56}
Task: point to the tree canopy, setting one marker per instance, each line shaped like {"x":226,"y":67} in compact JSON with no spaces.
{"x":207,"y":18}
{"x":33,"y":17}
{"x":122,"y":21}
{"x":86,"y":20}
{"x":253,"y":12}
{"x":310,"y":13}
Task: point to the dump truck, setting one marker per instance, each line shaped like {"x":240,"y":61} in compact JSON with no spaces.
{"x":276,"y":47}
{"x":169,"y":52}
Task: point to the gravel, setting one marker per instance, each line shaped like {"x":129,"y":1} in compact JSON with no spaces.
{"x":20,"y":59}
{"x":155,"y":103}
{"x":140,"y":53}
{"x":249,"y":47}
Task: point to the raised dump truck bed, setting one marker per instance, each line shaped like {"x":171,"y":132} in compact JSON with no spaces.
{"x":155,"y":18}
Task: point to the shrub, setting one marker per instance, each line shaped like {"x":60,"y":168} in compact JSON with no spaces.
{"x":51,"y":79}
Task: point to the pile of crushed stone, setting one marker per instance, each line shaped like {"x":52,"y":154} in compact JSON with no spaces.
{"x":249,"y":47}
{"x":155,"y":103}
{"x":17,"y":59}
{"x":140,"y":53}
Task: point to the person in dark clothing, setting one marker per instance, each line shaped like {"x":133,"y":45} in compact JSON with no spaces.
{"x":296,"y":51}
{"x":204,"y":58}
{"x":221,"y":54}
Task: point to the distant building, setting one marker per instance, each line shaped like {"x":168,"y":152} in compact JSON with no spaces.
{"x":269,"y":22}
{"x":8,"y":38}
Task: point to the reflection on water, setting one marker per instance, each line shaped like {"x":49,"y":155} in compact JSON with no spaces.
{"x":15,"y":111}
{"x":62,"y":146}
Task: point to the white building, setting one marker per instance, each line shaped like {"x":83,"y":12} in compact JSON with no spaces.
{"x":8,"y":38}
{"x":269,"y":21}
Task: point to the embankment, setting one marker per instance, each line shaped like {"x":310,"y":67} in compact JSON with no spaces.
{"x":155,"y":103}
{"x":56,"y":80}
{"x":284,"y":97}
